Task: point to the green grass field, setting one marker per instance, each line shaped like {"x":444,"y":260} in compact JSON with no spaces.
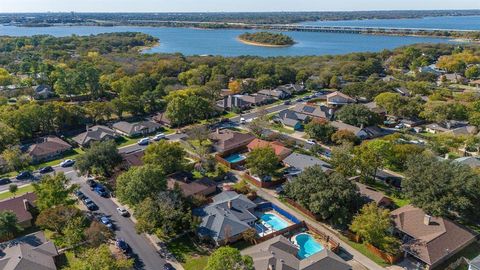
{"x":21,"y":190}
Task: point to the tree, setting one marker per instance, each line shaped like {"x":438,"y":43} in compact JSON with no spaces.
{"x":440,"y":112}
{"x":183,"y":110}
{"x":332,"y":197}
{"x":472,"y":72}
{"x":139,"y":183}
{"x":99,"y":111}
{"x":389,"y":101}
{"x":13,"y":188}
{"x":8,"y":136}
{"x":5,"y":77}
{"x":249,"y":235}
{"x":15,"y":159}
{"x":357,"y":115}
{"x":100,"y":158}
{"x":320,"y":130}
{"x":342,"y":159}
{"x":166,"y":214}
{"x":198,"y":133}
{"x":73,"y":233}
{"x":167,"y":156}
{"x":344,"y":136}
{"x":372,"y":224}
{"x":53,"y":190}
{"x":100,"y":258}
{"x":229,"y":258}
{"x":235,"y":87}
{"x":262,"y":162}
{"x":442,"y":187}
{"x":56,"y":218}
{"x":371,"y":156}
{"x":97,"y":234}
{"x":8,"y":225}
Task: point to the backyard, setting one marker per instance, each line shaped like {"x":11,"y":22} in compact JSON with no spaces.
{"x":188,"y":253}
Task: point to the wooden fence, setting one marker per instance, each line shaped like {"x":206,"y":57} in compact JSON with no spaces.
{"x":263,"y":184}
{"x":326,"y":239}
{"x":301,"y":209}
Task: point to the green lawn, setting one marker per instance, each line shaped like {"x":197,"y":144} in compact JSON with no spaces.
{"x":188,"y":254}
{"x":282,"y":129}
{"x":230,"y":115}
{"x":21,"y":190}
{"x":470,"y":252}
{"x":365,"y":251}
{"x":73,"y":154}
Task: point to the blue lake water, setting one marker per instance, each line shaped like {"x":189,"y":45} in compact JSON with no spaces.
{"x":190,"y":41}
{"x":452,"y":22}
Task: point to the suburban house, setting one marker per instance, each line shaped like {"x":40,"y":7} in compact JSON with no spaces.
{"x":95,"y":134}
{"x":243,"y":101}
{"x":292,"y":119}
{"x":162,"y":119}
{"x":373,"y":107}
{"x":280,"y":150}
{"x":133,"y":159}
{"x":302,"y":113}
{"x":472,"y":162}
{"x":226,"y":141}
{"x":275,"y":93}
{"x":30,"y":252}
{"x":21,"y":206}
{"x":281,"y":254}
{"x":338,"y":98}
{"x":291,"y":88}
{"x":431,"y":69}
{"x":370,"y":194}
{"x":136,"y":129}
{"x":48,"y":148}
{"x":452,"y":128}
{"x":226,"y":218}
{"x":314,"y":111}
{"x":430,"y":240}
{"x":362,"y":133}
{"x":191,"y":187}
{"x":43,"y":92}
{"x":300,"y":162}
{"x":452,"y":78}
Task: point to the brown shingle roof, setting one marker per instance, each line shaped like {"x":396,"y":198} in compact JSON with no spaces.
{"x":225,"y":139}
{"x":17,"y":206}
{"x":47,"y":146}
{"x":432,"y":242}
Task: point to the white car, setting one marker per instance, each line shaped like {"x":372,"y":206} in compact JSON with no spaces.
{"x":144,"y":141}
{"x":312,"y":142}
{"x":67,"y":163}
{"x":242,"y":120}
{"x":122,"y":211}
{"x":159,"y":136}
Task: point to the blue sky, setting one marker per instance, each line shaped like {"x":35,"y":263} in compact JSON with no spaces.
{"x":228,"y":5}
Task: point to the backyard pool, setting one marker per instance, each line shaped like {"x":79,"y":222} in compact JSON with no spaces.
{"x":235,"y":158}
{"x":276,"y":222}
{"x":307,"y":245}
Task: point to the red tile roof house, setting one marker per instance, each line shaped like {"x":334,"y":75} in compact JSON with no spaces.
{"x":281,"y":151}
{"x":226,"y":141}
{"x":21,"y":206}
{"x":431,"y":240}
{"x":48,"y":148}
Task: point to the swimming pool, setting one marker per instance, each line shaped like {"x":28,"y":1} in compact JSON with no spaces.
{"x":235,"y":158}
{"x":276,"y":222}
{"x":307,"y":245}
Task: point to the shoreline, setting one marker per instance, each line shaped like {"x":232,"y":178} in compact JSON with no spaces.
{"x":253,"y":43}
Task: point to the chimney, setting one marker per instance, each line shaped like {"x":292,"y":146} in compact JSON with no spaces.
{"x":26,"y":204}
{"x":427,"y":219}
{"x":447,"y":156}
{"x":229,"y":204}
{"x":218,"y":131}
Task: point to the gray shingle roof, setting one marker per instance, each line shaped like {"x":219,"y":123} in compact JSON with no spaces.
{"x":131,"y":128}
{"x":301,"y":162}
{"x":95,"y":133}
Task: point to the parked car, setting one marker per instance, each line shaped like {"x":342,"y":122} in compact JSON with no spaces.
{"x":67,"y":163}
{"x":45,"y":170}
{"x":299,"y":100}
{"x":91,"y":182}
{"x":107,"y":222}
{"x":80,"y":195}
{"x":5,"y":181}
{"x":24,"y":175}
{"x":123,"y":212}
{"x":89,"y":204}
{"x":159,"y":136}
{"x":124,"y":247}
{"x":144,"y":141}
{"x":168,"y":266}
{"x":242,"y":120}
{"x":100,"y":191}
{"x":312,"y":142}
{"x":287,"y":102}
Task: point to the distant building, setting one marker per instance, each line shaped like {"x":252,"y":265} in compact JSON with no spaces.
{"x":281,"y":254}
{"x":48,"y":148}
{"x":21,"y":206}
{"x":136,"y":129}
{"x":226,"y":218}
{"x":95,"y":134}
{"x":243,"y":101}
{"x":30,"y":252}
{"x":338,"y":98}
{"x":43,"y":92}
{"x":291,"y":88}
{"x":275,"y":93}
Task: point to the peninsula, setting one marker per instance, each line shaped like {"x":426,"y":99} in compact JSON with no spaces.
{"x":266,"y":39}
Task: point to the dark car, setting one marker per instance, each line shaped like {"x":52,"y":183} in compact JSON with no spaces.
{"x":24,"y":175}
{"x":80,"y":195}
{"x":287,"y":102}
{"x":91,"y":183}
{"x":5,"y":181}
{"x":91,"y":206}
{"x":124,"y":247}
{"x":45,"y":170}
{"x":168,"y":266}
{"x":101,"y":191}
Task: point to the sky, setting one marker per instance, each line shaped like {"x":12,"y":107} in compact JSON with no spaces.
{"x":228,"y":5}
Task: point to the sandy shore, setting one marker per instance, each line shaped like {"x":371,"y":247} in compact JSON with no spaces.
{"x":262,"y":44}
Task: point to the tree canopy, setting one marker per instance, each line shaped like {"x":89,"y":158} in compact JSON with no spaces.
{"x":262,"y":162}
{"x":229,"y":258}
{"x":100,"y":158}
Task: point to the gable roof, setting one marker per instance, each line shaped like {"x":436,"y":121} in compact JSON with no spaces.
{"x":432,"y":242}
{"x":226,"y":139}
{"x":95,"y":133}
{"x":473,"y":162}
{"x":189,"y":185}
{"x":31,"y":252}
{"x":301,"y":162}
{"x":313,"y":110}
{"x":341,"y":95}
{"x":280,"y":253}
{"x":162,"y":119}
{"x":228,"y":215}
{"x":131,"y":128}
{"x":280,"y":150}
{"x":48,"y":145}
{"x":371,"y":194}
{"x":17,"y":206}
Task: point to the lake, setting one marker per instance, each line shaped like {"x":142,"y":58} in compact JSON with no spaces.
{"x":447,"y":22}
{"x":191,"y":41}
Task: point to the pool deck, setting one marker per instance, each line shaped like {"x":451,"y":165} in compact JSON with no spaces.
{"x":271,"y":230}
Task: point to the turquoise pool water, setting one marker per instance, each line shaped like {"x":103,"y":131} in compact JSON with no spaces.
{"x":235,"y":158}
{"x":308,"y":246}
{"x":275,"y":221}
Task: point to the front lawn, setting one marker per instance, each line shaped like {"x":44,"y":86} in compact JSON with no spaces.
{"x":360,"y":247}
{"x":73,"y":154}
{"x":190,"y":255}
{"x":20,"y":191}
{"x":280,"y":128}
